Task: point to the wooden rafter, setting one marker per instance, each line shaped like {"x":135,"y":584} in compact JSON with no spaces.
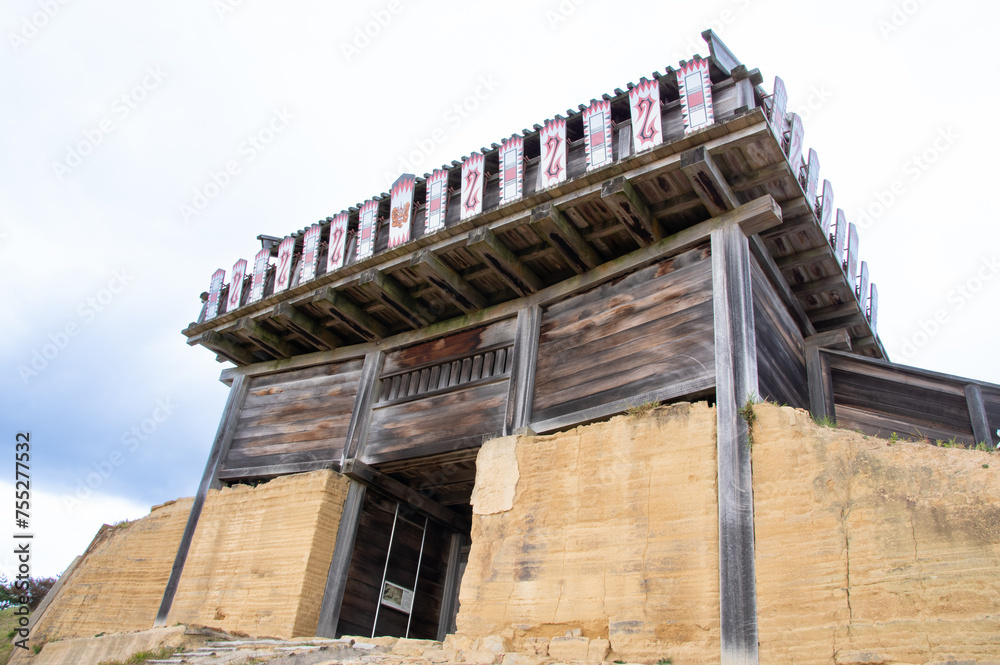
{"x":448,"y":282}
{"x":563,"y":235}
{"x":224,"y":347}
{"x":305,"y":325}
{"x":505,"y":262}
{"x":630,"y":208}
{"x":708,"y":182}
{"x":263,"y":337}
{"x":393,"y":295}
{"x":351,"y":314}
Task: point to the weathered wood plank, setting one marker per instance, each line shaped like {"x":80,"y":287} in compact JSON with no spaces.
{"x":357,"y":430}
{"x":780,"y":347}
{"x":821,"y":402}
{"x":447,"y":281}
{"x":223,"y":346}
{"x":336,"y":577}
{"x":458,"y":345}
{"x":522,"y":379}
{"x":503,"y":261}
{"x":357,"y":319}
{"x":559,"y":232}
{"x":708,"y":182}
{"x":393,"y":295}
{"x":269,"y":341}
{"x":306,"y":326}
{"x":631,"y":210}
{"x":977,"y":415}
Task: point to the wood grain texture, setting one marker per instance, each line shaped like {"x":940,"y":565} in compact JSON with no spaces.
{"x":781,"y":362}
{"x":453,"y":346}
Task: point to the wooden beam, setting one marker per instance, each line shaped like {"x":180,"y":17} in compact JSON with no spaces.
{"x":720,"y":56}
{"x":744,"y":88}
{"x":392,"y":294}
{"x":305,"y":325}
{"x":736,"y":384}
{"x":263,"y":337}
{"x":274,"y":470}
{"x":977,"y":415}
{"x":821,"y":404}
{"x":760,"y":177}
{"x":501,"y":259}
{"x":563,"y":235}
{"x":708,"y":182}
{"x":777,"y":280}
{"x":806,"y":257}
{"x":351,"y":314}
{"x":357,"y":428}
{"x":521,"y":387}
{"x":225,"y":347}
{"x":824,"y":284}
{"x":833,"y":312}
{"x":437,"y":273}
{"x":340,"y":564}
{"x":631,"y":210}
{"x":209,"y":479}
{"x":375,"y":479}
{"x":452,"y":579}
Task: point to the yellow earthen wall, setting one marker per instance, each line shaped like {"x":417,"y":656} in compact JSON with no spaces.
{"x":871,"y":552}
{"x":260,"y":556}
{"x":613,"y":529}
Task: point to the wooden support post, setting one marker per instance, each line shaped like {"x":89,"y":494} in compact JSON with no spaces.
{"x":563,"y":235}
{"x":452,"y":579}
{"x":631,"y":210}
{"x":340,"y":565}
{"x":224,"y":347}
{"x":506,"y":263}
{"x":736,"y":384}
{"x":744,"y":88}
{"x":437,"y":273}
{"x":818,"y":371}
{"x":355,"y":318}
{"x":977,"y":415}
{"x":383,"y":482}
{"x":209,"y":479}
{"x":263,"y":337}
{"x":521,"y":387}
{"x":395,"y":296}
{"x":306,"y":326}
{"x":708,"y":182}
{"x":357,"y":429}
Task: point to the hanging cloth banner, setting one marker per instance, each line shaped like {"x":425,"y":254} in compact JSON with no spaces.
{"x":437,"y":201}
{"x":511,"y":169}
{"x":696,"y":95}
{"x":283,"y":273}
{"x":236,"y":286}
{"x":401,"y":209}
{"x":472,"y":185}
{"x":647,"y":123}
{"x":212,"y":306}
{"x":310,"y":253}
{"x":259,"y":275}
{"x":336,"y":253}
{"x":597,"y":134}
{"x":367,"y":221}
{"x":552,"y":168}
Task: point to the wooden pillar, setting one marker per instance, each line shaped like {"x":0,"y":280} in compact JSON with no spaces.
{"x":209,"y":479}
{"x":521,"y":389}
{"x":357,"y":430}
{"x":449,"y":597}
{"x":820,"y":382}
{"x":340,"y":565}
{"x":977,"y":415}
{"x":736,"y":383}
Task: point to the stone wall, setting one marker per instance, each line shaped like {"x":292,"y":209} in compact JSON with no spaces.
{"x":870,"y":551}
{"x":260,"y":556}
{"x":610,"y":528}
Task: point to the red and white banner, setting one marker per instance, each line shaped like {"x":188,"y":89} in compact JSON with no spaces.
{"x":401,"y":209}
{"x":795,"y":145}
{"x":862,"y":290}
{"x":696,"y":95}
{"x":336,"y":252}
{"x":259,"y":275}
{"x":437,"y":201}
{"x":840,"y":236}
{"x":873,"y":309}
{"x":283,"y":273}
{"x":597,"y":134}
{"x":552,"y":167}
{"x":812,"y":178}
{"x":310,"y":253}
{"x":826,"y":209}
{"x":511,"y":169}
{"x":852,"y":254}
{"x":779,"y":105}
{"x":647,"y":123}
{"x":214,"y":290}
{"x":472,"y":185}
{"x":236,"y":285}
{"x":367,"y":228}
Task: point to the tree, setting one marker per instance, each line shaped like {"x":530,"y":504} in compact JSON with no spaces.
{"x":37,"y":588}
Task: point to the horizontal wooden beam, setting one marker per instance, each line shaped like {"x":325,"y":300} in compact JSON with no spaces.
{"x":708,"y":182}
{"x":824,"y":284}
{"x":225,"y":347}
{"x":305,"y":325}
{"x":269,"y":341}
{"x":375,"y":479}
{"x":448,"y":282}
{"x":274,"y":470}
{"x":392,"y":294}
{"x":549,"y":222}
{"x":503,"y":261}
{"x":760,"y":177}
{"x":631,"y":210}
{"x":351,"y":314}
{"x":804,"y":258}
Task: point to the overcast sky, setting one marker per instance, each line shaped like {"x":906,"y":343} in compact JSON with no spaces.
{"x":121,"y":119}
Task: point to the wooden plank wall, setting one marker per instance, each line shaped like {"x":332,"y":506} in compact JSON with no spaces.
{"x":651,"y":331}
{"x":295,"y":416}
{"x":781,"y":362}
{"x":441,"y":396}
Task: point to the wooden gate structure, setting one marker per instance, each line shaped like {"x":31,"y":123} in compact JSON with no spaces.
{"x":666,"y":242}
